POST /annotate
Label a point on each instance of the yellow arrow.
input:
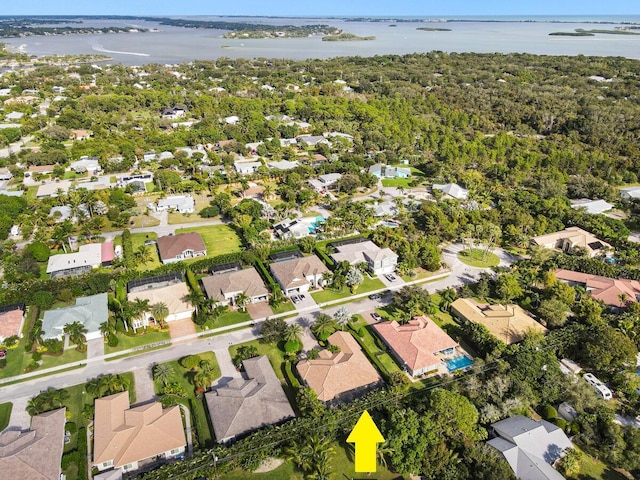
(366, 436)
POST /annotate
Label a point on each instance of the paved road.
(14, 148)
(165, 229)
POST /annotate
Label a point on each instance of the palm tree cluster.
(312, 456)
(50, 399)
(106, 385)
(76, 332)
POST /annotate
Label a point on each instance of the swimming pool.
(459, 362)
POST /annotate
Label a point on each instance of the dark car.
(375, 296)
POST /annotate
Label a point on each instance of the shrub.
(39, 251)
(53, 345)
(292, 346)
(31, 367)
(12, 341)
(333, 348)
(36, 356)
(560, 423)
(549, 413)
(65, 295)
(208, 212)
(71, 427)
(362, 331)
(113, 340)
(190, 362)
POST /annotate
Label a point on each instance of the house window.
(127, 467)
(107, 464)
(174, 451)
(137, 323)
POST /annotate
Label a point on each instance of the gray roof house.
(628, 193)
(299, 274)
(246, 404)
(90, 311)
(225, 287)
(453, 190)
(328, 181)
(178, 203)
(379, 260)
(593, 207)
(530, 447)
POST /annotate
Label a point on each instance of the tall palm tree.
(292, 333)
(241, 301)
(324, 326)
(139, 307)
(195, 298)
(142, 255)
(76, 332)
(267, 191)
(160, 312)
(105, 329)
(93, 387)
(162, 373)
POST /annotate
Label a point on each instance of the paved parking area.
(181, 328)
(259, 310)
(145, 391)
(395, 283)
(306, 302)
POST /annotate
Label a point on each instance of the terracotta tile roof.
(126, 435)
(11, 323)
(293, 273)
(608, 290)
(508, 323)
(416, 341)
(334, 374)
(247, 281)
(35, 454)
(246, 404)
(171, 246)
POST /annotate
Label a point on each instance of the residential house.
(592, 207)
(571, 237)
(301, 125)
(39, 169)
(379, 260)
(298, 275)
(340, 376)
(86, 164)
(212, 169)
(14, 116)
(630, 193)
(135, 178)
(385, 209)
(247, 168)
(5, 174)
(420, 346)
(92, 255)
(225, 287)
(530, 447)
(173, 296)
(282, 165)
(80, 134)
(149, 156)
(288, 142)
(11, 320)
(311, 140)
(385, 171)
(508, 323)
(173, 113)
(614, 292)
(126, 437)
(452, 190)
(178, 203)
(12, 193)
(173, 248)
(60, 213)
(326, 182)
(34, 454)
(53, 189)
(346, 136)
(232, 120)
(249, 403)
(90, 311)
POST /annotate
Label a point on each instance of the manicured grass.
(5, 414)
(127, 341)
(286, 471)
(218, 239)
(593, 469)
(419, 274)
(398, 182)
(478, 258)
(286, 306)
(137, 240)
(69, 355)
(375, 346)
(328, 295)
(276, 356)
(140, 221)
(199, 416)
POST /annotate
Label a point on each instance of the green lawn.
(419, 274)
(285, 306)
(593, 469)
(398, 182)
(328, 295)
(5, 414)
(478, 258)
(276, 356)
(229, 318)
(376, 347)
(68, 356)
(284, 472)
(219, 239)
(129, 341)
(141, 221)
(196, 405)
(138, 239)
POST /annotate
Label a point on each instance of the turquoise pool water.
(459, 362)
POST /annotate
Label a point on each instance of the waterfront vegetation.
(346, 37)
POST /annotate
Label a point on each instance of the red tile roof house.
(174, 248)
(11, 320)
(608, 290)
(420, 346)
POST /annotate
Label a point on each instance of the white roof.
(50, 189)
(283, 165)
(87, 255)
(632, 192)
(88, 163)
(592, 206)
(453, 190)
(180, 202)
(330, 178)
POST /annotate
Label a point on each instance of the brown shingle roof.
(605, 289)
(507, 323)
(126, 435)
(244, 405)
(334, 374)
(416, 342)
(35, 454)
(293, 273)
(173, 245)
(247, 281)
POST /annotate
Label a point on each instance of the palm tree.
(160, 312)
(139, 307)
(324, 326)
(35, 406)
(202, 379)
(76, 332)
(241, 301)
(162, 373)
(267, 191)
(195, 298)
(93, 387)
(142, 255)
(292, 333)
(105, 329)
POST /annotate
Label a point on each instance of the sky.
(322, 8)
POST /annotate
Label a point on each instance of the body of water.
(507, 35)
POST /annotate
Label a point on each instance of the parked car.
(375, 296)
(391, 277)
(302, 297)
(295, 299)
(376, 317)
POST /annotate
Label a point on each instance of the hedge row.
(328, 261)
(386, 375)
(287, 368)
(266, 276)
